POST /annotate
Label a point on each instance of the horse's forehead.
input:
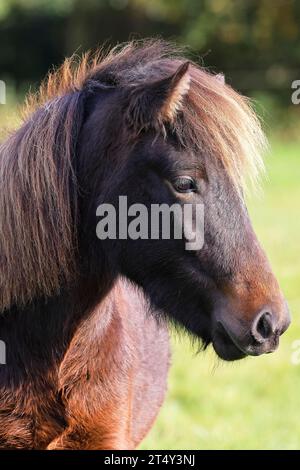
(175, 153)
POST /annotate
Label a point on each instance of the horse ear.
(176, 88)
(159, 101)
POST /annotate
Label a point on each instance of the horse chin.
(225, 348)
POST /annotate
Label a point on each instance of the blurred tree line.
(256, 43)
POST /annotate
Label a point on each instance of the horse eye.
(184, 184)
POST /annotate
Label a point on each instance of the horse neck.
(41, 333)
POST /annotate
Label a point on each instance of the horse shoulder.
(113, 376)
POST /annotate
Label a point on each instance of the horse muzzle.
(234, 339)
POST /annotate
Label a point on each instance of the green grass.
(254, 403)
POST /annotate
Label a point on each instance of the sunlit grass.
(9, 119)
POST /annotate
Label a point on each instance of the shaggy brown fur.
(37, 203)
(86, 361)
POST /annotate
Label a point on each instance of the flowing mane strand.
(216, 119)
(38, 181)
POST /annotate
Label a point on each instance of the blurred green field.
(254, 403)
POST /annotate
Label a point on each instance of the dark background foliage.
(255, 42)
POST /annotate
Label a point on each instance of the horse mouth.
(224, 345)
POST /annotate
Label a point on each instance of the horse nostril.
(262, 328)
